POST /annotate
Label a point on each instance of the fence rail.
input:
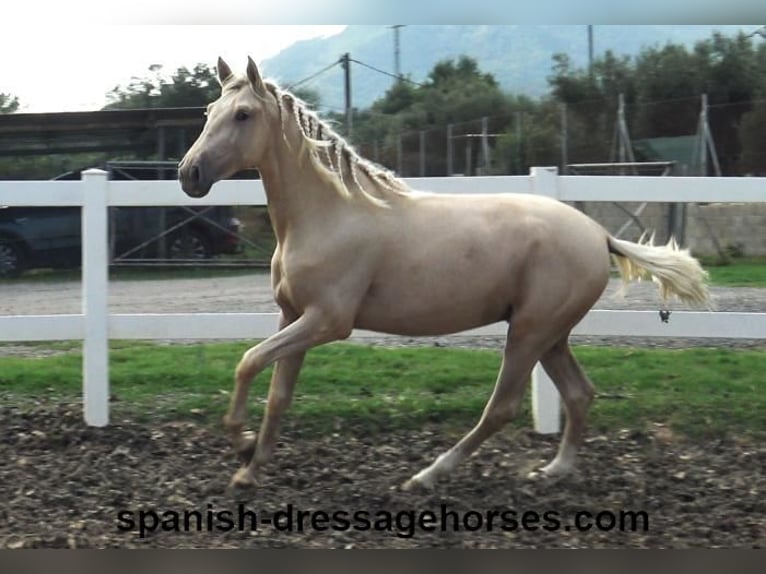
(95, 326)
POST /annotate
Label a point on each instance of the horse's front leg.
(288, 347)
(283, 381)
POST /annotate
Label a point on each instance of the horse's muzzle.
(193, 180)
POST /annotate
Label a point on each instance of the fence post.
(95, 307)
(546, 403)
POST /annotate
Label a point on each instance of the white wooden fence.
(95, 325)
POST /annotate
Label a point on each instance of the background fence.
(686, 130)
(95, 325)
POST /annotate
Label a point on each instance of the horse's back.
(454, 262)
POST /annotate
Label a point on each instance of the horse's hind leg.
(577, 393)
(521, 354)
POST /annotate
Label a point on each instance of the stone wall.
(734, 227)
(739, 228)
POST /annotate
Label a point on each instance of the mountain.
(519, 57)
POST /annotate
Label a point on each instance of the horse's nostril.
(194, 174)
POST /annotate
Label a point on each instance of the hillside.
(519, 56)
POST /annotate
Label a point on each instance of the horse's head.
(235, 134)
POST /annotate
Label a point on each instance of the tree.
(455, 92)
(752, 138)
(752, 129)
(533, 138)
(662, 87)
(591, 98)
(8, 103)
(193, 88)
(309, 96)
(185, 88)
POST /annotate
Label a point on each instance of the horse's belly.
(429, 313)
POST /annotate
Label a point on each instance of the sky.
(76, 66)
(60, 55)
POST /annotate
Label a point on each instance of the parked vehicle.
(50, 237)
(38, 237)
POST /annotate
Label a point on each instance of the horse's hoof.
(546, 475)
(537, 475)
(243, 479)
(417, 485)
(245, 446)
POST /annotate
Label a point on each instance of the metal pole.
(620, 119)
(181, 142)
(519, 143)
(485, 152)
(703, 137)
(468, 154)
(346, 63)
(450, 169)
(625, 146)
(590, 49)
(564, 140)
(708, 140)
(162, 244)
(397, 52)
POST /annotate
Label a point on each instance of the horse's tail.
(674, 269)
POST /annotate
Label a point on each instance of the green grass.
(748, 272)
(695, 391)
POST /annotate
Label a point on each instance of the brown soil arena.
(63, 484)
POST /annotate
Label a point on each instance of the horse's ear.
(255, 77)
(224, 72)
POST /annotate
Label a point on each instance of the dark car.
(50, 237)
(38, 237)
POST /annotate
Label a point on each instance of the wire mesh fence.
(701, 138)
(223, 236)
(673, 137)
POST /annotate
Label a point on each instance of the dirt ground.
(64, 485)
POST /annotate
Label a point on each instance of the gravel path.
(252, 293)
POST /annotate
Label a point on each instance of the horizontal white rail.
(661, 189)
(565, 188)
(239, 326)
(145, 193)
(41, 193)
(95, 326)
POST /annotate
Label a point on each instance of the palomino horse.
(357, 249)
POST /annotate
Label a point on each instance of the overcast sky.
(71, 68)
(66, 55)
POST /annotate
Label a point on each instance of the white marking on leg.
(563, 463)
(444, 464)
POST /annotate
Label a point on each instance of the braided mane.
(331, 153)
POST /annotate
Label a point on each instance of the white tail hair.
(674, 269)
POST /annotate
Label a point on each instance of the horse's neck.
(297, 195)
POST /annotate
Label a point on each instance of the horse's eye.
(241, 115)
